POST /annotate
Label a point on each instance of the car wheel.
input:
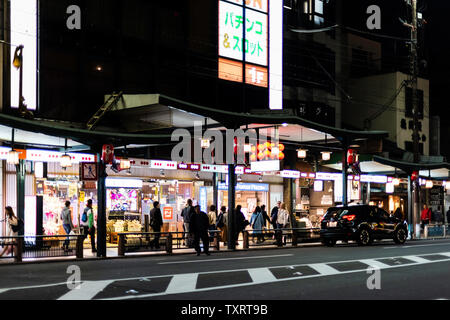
(364, 237)
(329, 243)
(400, 236)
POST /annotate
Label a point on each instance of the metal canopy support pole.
(216, 192)
(231, 205)
(101, 209)
(368, 192)
(20, 175)
(410, 210)
(344, 177)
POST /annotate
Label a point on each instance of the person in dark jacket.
(187, 213)
(199, 226)
(156, 223)
(265, 215)
(239, 222)
(274, 214)
(398, 214)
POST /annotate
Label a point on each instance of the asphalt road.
(417, 270)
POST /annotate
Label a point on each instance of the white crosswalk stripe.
(182, 283)
(374, 263)
(324, 269)
(87, 290)
(416, 259)
(261, 275)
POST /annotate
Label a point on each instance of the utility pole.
(413, 79)
(413, 83)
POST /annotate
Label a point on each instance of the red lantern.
(351, 156)
(281, 156)
(261, 147)
(107, 153)
(414, 176)
(281, 147)
(253, 157)
(260, 156)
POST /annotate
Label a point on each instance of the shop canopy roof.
(379, 165)
(299, 130)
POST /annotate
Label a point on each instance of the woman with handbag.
(12, 230)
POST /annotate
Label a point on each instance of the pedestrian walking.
(265, 215)
(199, 225)
(425, 216)
(156, 223)
(13, 227)
(274, 214)
(398, 213)
(87, 221)
(283, 220)
(257, 223)
(240, 223)
(66, 218)
(187, 213)
(212, 217)
(222, 224)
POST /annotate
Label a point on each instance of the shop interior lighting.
(326, 155)
(396, 182)
(162, 173)
(239, 178)
(429, 184)
(247, 148)
(260, 179)
(125, 163)
(302, 153)
(13, 155)
(205, 143)
(65, 160)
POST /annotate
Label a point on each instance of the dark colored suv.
(361, 223)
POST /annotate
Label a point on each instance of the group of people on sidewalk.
(198, 224)
(427, 216)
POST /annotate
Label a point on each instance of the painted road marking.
(226, 259)
(187, 283)
(87, 290)
(417, 246)
(182, 283)
(375, 264)
(323, 269)
(261, 275)
(417, 259)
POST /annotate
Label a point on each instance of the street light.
(65, 160)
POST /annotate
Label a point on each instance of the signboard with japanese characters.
(243, 38)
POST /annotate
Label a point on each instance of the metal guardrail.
(436, 231)
(168, 241)
(280, 237)
(36, 247)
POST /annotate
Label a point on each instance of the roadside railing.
(131, 242)
(35, 247)
(279, 237)
(436, 231)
